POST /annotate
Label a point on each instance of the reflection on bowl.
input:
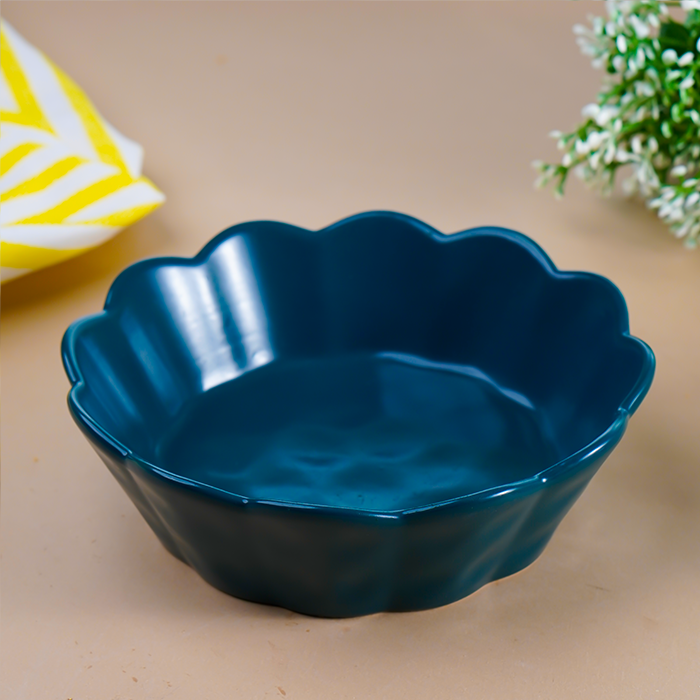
(375, 416)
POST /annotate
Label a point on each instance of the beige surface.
(308, 113)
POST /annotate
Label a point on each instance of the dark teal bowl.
(375, 416)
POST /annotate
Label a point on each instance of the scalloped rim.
(604, 442)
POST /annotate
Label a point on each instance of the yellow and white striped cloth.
(68, 180)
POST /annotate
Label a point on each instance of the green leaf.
(673, 35)
(692, 19)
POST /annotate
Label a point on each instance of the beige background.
(308, 113)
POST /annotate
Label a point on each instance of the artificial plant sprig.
(647, 113)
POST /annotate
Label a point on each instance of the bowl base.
(380, 432)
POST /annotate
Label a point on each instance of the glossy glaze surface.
(375, 416)
(377, 432)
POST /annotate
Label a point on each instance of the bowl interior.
(378, 432)
(371, 366)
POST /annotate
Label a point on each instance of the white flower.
(697, 44)
(581, 147)
(567, 160)
(679, 170)
(689, 5)
(605, 115)
(610, 29)
(691, 182)
(636, 144)
(555, 134)
(683, 230)
(692, 199)
(647, 177)
(671, 211)
(653, 145)
(619, 63)
(687, 83)
(625, 6)
(590, 110)
(686, 59)
(621, 43)
(640, 57)
(669, 57)
(676, 214)
(640, 28)
(644, 89)
(595, 139)
(587, 48)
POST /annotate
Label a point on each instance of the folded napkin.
(68, 180)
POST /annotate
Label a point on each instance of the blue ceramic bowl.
(375, 416)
